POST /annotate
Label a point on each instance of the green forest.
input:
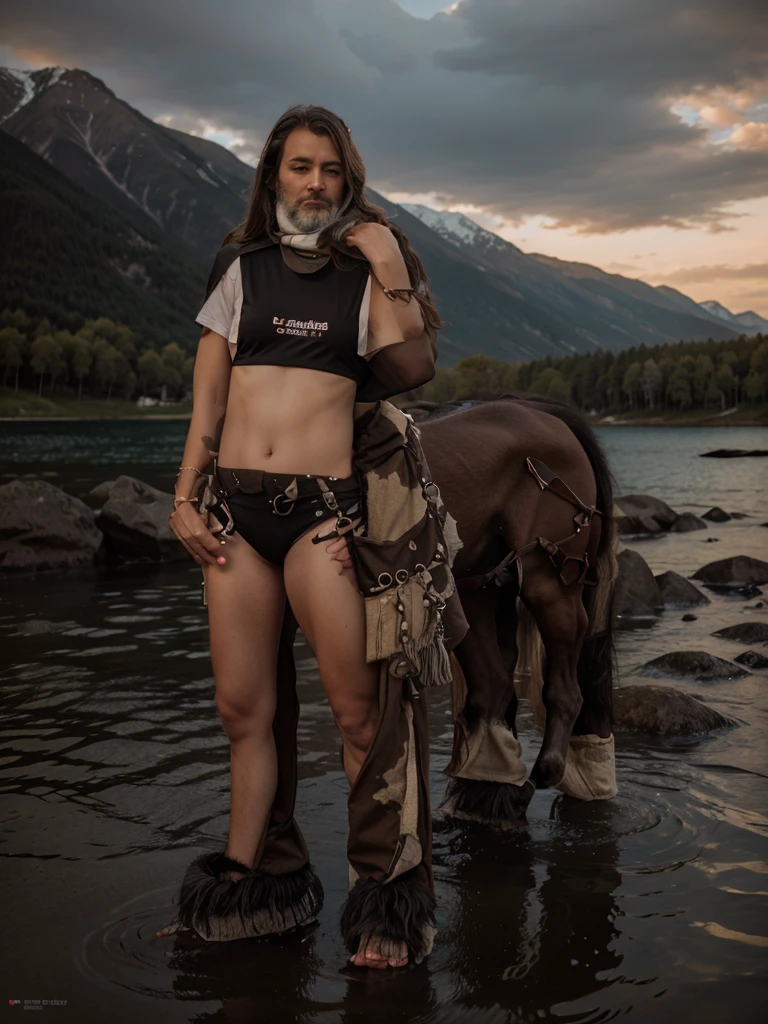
(101, 360)
(688, 376)
(106, 361)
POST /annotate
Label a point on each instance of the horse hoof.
(548, 770)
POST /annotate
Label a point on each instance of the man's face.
(310, 180)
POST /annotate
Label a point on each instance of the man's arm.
(401, 351)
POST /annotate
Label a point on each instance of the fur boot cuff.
(399, 911)
(220, 909)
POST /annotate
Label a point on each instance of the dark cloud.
(546, 107)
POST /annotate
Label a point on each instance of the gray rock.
(678, 592)
(692, 665)
(637, 592)
(664, 711)
(100, 493)
(686, 522)
(734, 453)
(752, 659)
(642, 513)
(688, 618)
(43, 527)
(745, 633)
(736, 570)
(739, 515)
(135, 523)
(716, 515)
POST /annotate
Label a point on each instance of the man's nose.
(316, 183)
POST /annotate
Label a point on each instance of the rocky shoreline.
(44, 529)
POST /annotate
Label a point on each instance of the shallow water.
(114, 774)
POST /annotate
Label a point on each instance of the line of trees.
(99, 360)
(687, 376)
(102, 359)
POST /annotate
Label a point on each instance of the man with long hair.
(317, 309)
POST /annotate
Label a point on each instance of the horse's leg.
(488, 778)
(562, 622)
(591, 769)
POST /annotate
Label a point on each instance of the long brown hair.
(260, 218)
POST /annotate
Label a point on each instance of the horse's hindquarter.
(477, 458)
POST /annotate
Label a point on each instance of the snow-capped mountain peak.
(18, 88)
(457, 228)
(748, 318)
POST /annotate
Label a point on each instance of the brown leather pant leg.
(389, 848)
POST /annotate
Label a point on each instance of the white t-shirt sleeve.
(221, 310)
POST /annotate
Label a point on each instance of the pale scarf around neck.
(308, 242)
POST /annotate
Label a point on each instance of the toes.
(169, 929)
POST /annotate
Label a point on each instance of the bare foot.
(378, 953)
(171, 929)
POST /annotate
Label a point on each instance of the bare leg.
(331, 613)
(246, 599)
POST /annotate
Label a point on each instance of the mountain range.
(138, 209)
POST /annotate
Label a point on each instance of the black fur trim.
(400, 911)
(486, 801)
(259, 904)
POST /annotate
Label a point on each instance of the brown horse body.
(477, 456)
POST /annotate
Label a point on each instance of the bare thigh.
(330, 611)
(246, 601)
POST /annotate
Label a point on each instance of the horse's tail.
(597, 660)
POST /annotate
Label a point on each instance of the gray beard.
(305, 221)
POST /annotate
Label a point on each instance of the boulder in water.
(43, 527)
(745, 633)
(734, 571)
(642, 513)
(692, 665)
(135, 523)
(716, 515)
(686, 522)
(664, 711)
(98, 495)
(678, 592)
(734, 453)
(752, 659)
(637, 592)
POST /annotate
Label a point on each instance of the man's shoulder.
(227, 255)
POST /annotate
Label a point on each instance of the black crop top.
(292, 319)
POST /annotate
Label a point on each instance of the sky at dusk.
(632, 134)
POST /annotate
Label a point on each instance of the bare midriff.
(289, 419)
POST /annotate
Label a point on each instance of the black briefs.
(270, 519)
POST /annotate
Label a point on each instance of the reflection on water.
(114, 772)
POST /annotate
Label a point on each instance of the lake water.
(114, 774)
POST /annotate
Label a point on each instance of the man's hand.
(377, 243)
(189, 526)
(337, 548)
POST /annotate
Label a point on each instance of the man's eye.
(332, 171)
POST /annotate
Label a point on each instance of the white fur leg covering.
(590, 769)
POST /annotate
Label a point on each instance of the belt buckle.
(277, 511)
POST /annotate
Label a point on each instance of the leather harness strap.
(502, 574)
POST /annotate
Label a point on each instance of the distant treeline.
(688, 376)
(102, 359)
